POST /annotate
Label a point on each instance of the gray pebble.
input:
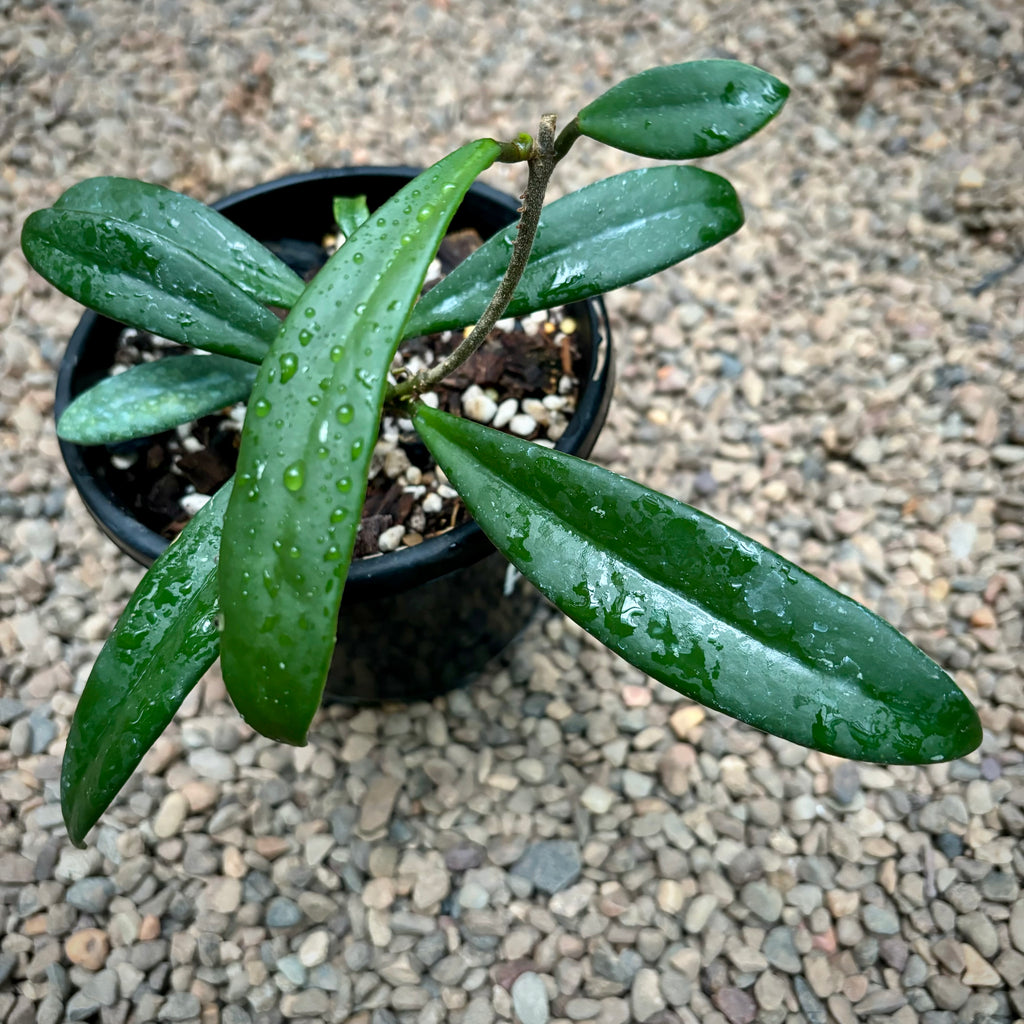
(50, 1010)
(763, 900)
(812, 1007)
(551, 865)
(948, 993)
(530, 999)
(91, 895)
(780, 951)
(81, 1007)
(293, 969)
(880, 920)
(179, 1006)
(282, 913)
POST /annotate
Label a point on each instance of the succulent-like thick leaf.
(684, 111)
(199, 229)
(616, 231)
(349, 213)
(132, 274)
(151, 397)
(309, 435)
(702, 608)
(162, 644)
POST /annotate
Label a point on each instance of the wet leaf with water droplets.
(702, 608)
(616, 231)
(684, 111)
(203, 231)
(160, 261)
(152, 397)
(164, 641)
(306, 508)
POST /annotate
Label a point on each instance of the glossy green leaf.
(151, 397)
(132, 274)
(199, 229)
(349, 213)
(309, 435)
(162, 644)
(611, 233)
(684, 111)
(702, 608)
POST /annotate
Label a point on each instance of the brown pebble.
(88, 948)
(271, 847)
(35, 925)
(738, 1006)
(150, 928)
(983, 618)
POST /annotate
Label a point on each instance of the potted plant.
(257, 575)
(414, 622)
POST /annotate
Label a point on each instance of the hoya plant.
(257, 576)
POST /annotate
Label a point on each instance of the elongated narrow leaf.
(684, 111)
(349, 213)
(309, 434)
(609, 234)
(152, 397)
(702, 608)
(134, 275)
(162, 644)
(194, 227)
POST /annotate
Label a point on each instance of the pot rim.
(375, 575)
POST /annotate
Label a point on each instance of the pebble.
(530, 999)
(1016, 927)
(91, 895)
(880, 920)
(212, 764)
(378, 804)
(310, 1003)
(171, 815)
(763, 900)
(88, 948)
(979, 973)
(522, 424)
(597, 799)
(699, 912)
(314, 949)
(780, 950)
(391, 538)
(282, 913)
(645, 998)
(948, 993)
(738, 1006)
(179, 1006)
(550, 866)
(476, 405)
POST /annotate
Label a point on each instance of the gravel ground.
(563, 841)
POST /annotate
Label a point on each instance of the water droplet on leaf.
(289, 366)
(295, 476)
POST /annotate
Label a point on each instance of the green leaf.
(609, 234)
(199, 229)
(684, 111)
(309, 435)
(702, 608)
(162, 644)
(152, 397)
(349, 213)
(134, 275)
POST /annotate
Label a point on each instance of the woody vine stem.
(542, 157)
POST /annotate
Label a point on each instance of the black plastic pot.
(415, 622)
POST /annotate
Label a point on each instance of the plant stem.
(541, 164)
(566, 137)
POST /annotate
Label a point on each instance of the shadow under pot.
(415, 622)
